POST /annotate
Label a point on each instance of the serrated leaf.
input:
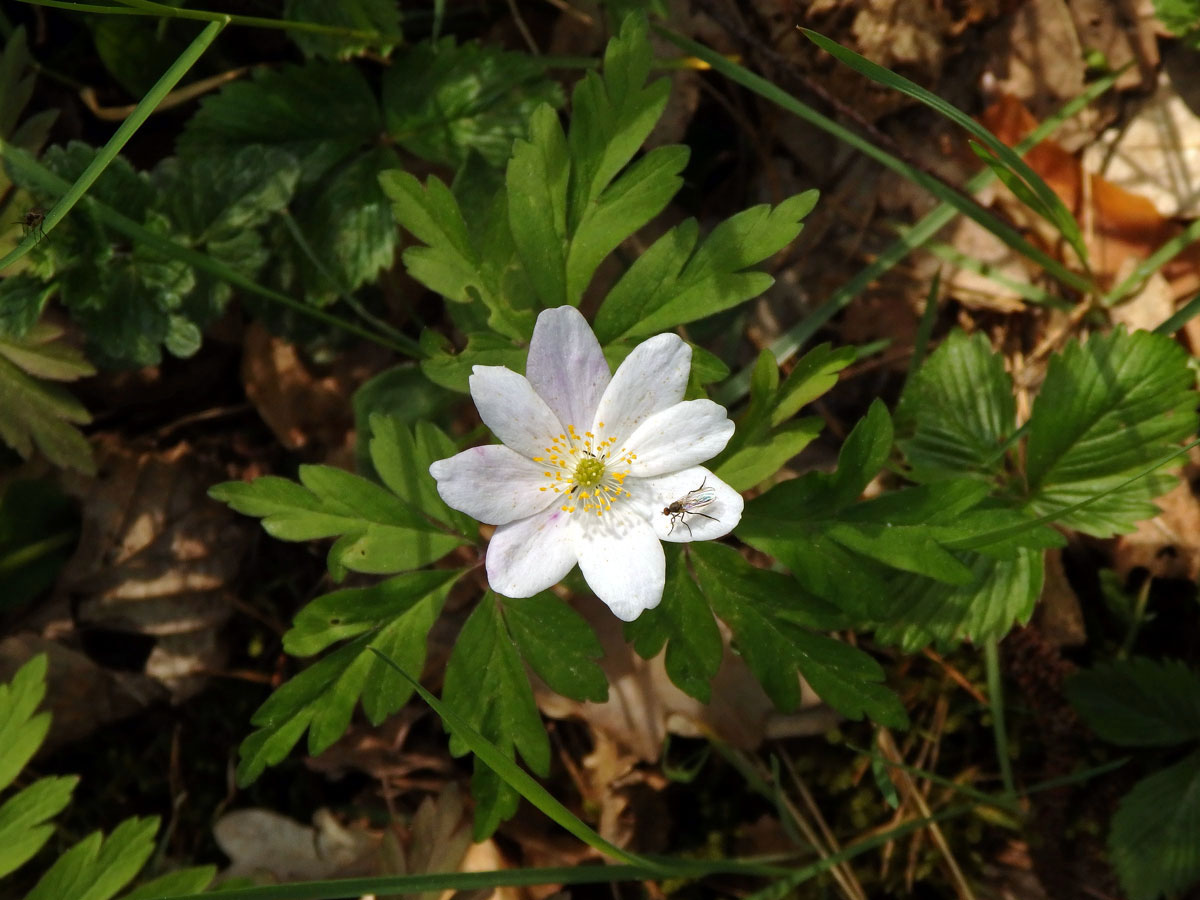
(486, 684)
(755, 605)
(1139, 702)
(670, 284)
(999, 593)
(401, 458)
(683, 619)
(95, 868)
(22, 299)
(442, 101)
(219, 195)
(377, 531)
(1106, 411)
(381, 16)
(394, 616)
(863, 454)
(812, 375)
(960, 411)
(1155, 838)
(321, 112)
(347, 224)
(558, 644)
(23, 816)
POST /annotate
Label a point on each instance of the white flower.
(591, 463)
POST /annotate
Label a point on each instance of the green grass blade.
(1153, 263)
(1030, 293)
(46, 180)
(1047, 203)
(518, 779)
(788, 343)
(1182, 316)
(109, 151)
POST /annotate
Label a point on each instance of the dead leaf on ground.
(1168, 545)
(156, 557)
(80, 695)
(1035, 55)
(643, 705)
(270, 848)
(1058, 617)
(305, 405)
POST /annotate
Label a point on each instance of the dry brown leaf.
(974, 289)
(1168, 545)
(271, 848)
(306, 406)
(156, 557)
(910, 33)
(1036, 56)
(80, 695)
(1058, 616)
(643, 705)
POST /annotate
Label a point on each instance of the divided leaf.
(771, 622)
(1139, 702)
(39, 414)
(22, 730)
(96, 868)
(1108, 410)
(23, 828)
(442, 101)
(558, 644)
(1155, 836)
(486, 684)
(393, 616)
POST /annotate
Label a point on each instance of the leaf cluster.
(96, 867)
(1154, 841)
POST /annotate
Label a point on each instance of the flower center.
(586, 470)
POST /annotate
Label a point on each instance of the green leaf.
(348, 229)
(863, 454)
(960, 411)
(1139, 702)
(401, 457)
(95, 868)
(753, 464)
(443, 101)
(22, 299)
(377, 531)
(537, 205)
(1181, 17)
(21, 731)
(175, 884)
(486, 685)
(22, 819)
(1107, 410)
(684, 619)
(382, 16)
(812, 375)
(395, 616)
(321, 112)
(999, 593)
(453, 370)
(38, 414)
(1155, 837)
(761, 609)
(674, 282)
(558, 645)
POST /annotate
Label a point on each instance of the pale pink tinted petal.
(653, 377)
(513, 411)
(530, 555)
(725, 509)
(622, 560)
(681, 436)
(492, 484)
(566, 366)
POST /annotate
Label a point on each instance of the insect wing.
(698, 499)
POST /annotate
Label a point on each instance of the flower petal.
(725, 509)
(622, 560)
(513, 411)
(492, 484)
(680, 436)
(530, 555)
(653, 377)
(566, 366)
